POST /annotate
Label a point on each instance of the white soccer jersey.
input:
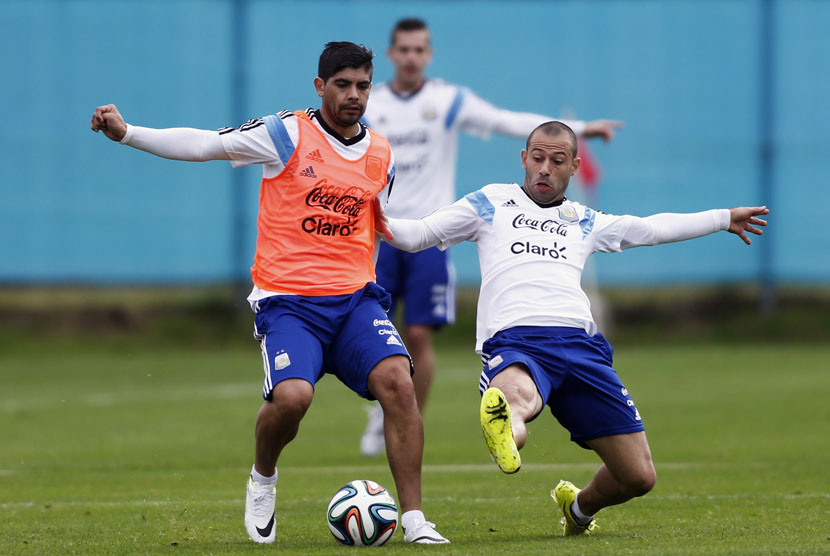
(532, 257)
(423, 130)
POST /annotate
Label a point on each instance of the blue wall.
(685, 76)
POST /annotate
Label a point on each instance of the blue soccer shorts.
(423, 281)
(345, 335)
(572, 372)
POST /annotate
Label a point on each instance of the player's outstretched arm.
(443, 228)
(744, 219)
(605, 129)
(179, 143)
(670, 227)
(109, 120)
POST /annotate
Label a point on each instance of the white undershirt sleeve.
(411, 235)
(670, 227)
(177, 143)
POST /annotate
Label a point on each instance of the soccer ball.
(362, 513)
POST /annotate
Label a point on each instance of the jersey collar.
(347, 142)
(549, 205)
(406, 96)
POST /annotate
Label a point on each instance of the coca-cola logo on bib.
(346, 205)
(349, 202)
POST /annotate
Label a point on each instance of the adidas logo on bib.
(308, 173)
(315, 156)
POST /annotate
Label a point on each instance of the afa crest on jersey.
(374, 167)
(568, 214)
(429, 113)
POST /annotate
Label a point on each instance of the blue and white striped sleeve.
(269, 140)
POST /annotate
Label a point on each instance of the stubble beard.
(348, 118)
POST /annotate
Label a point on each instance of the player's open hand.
(602, 128)
(744, 219)
(381, 222)
(109, 120)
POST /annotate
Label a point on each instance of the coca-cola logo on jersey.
(547, 226)
(349, 202)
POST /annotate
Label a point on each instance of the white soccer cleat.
(423, 532)
(260, 517)
(372, 443)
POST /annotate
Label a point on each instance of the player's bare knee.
(641, 482)
(396, 389)
(290, 400)
(391, 383)
(418, 337)
(518, 393)
(513, 395)
(643, 486)
(293, 410)
(650, 479)
(522, 400)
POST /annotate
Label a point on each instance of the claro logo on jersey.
(345, 204)
(555, 252)
(547, 226)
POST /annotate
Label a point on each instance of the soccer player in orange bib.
(318, 309)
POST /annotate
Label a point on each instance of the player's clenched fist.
(109, 120)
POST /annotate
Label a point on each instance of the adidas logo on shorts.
(510, 203)
(315, 156)
(308, 173)
(392, 341)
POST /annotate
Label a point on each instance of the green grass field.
(132, 450)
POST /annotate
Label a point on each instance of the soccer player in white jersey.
(534, 331)
(422, 119)
(318, 309)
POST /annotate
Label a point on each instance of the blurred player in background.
(317, 307)
(534, 329)
(422, 118)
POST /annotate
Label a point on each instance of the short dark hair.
(554, 128)
(407, 24)
(340, 55)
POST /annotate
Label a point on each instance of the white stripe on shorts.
(450, 300)
(266, 362)
(483, 382)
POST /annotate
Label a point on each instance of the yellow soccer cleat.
(564, 495)
(498, 431)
